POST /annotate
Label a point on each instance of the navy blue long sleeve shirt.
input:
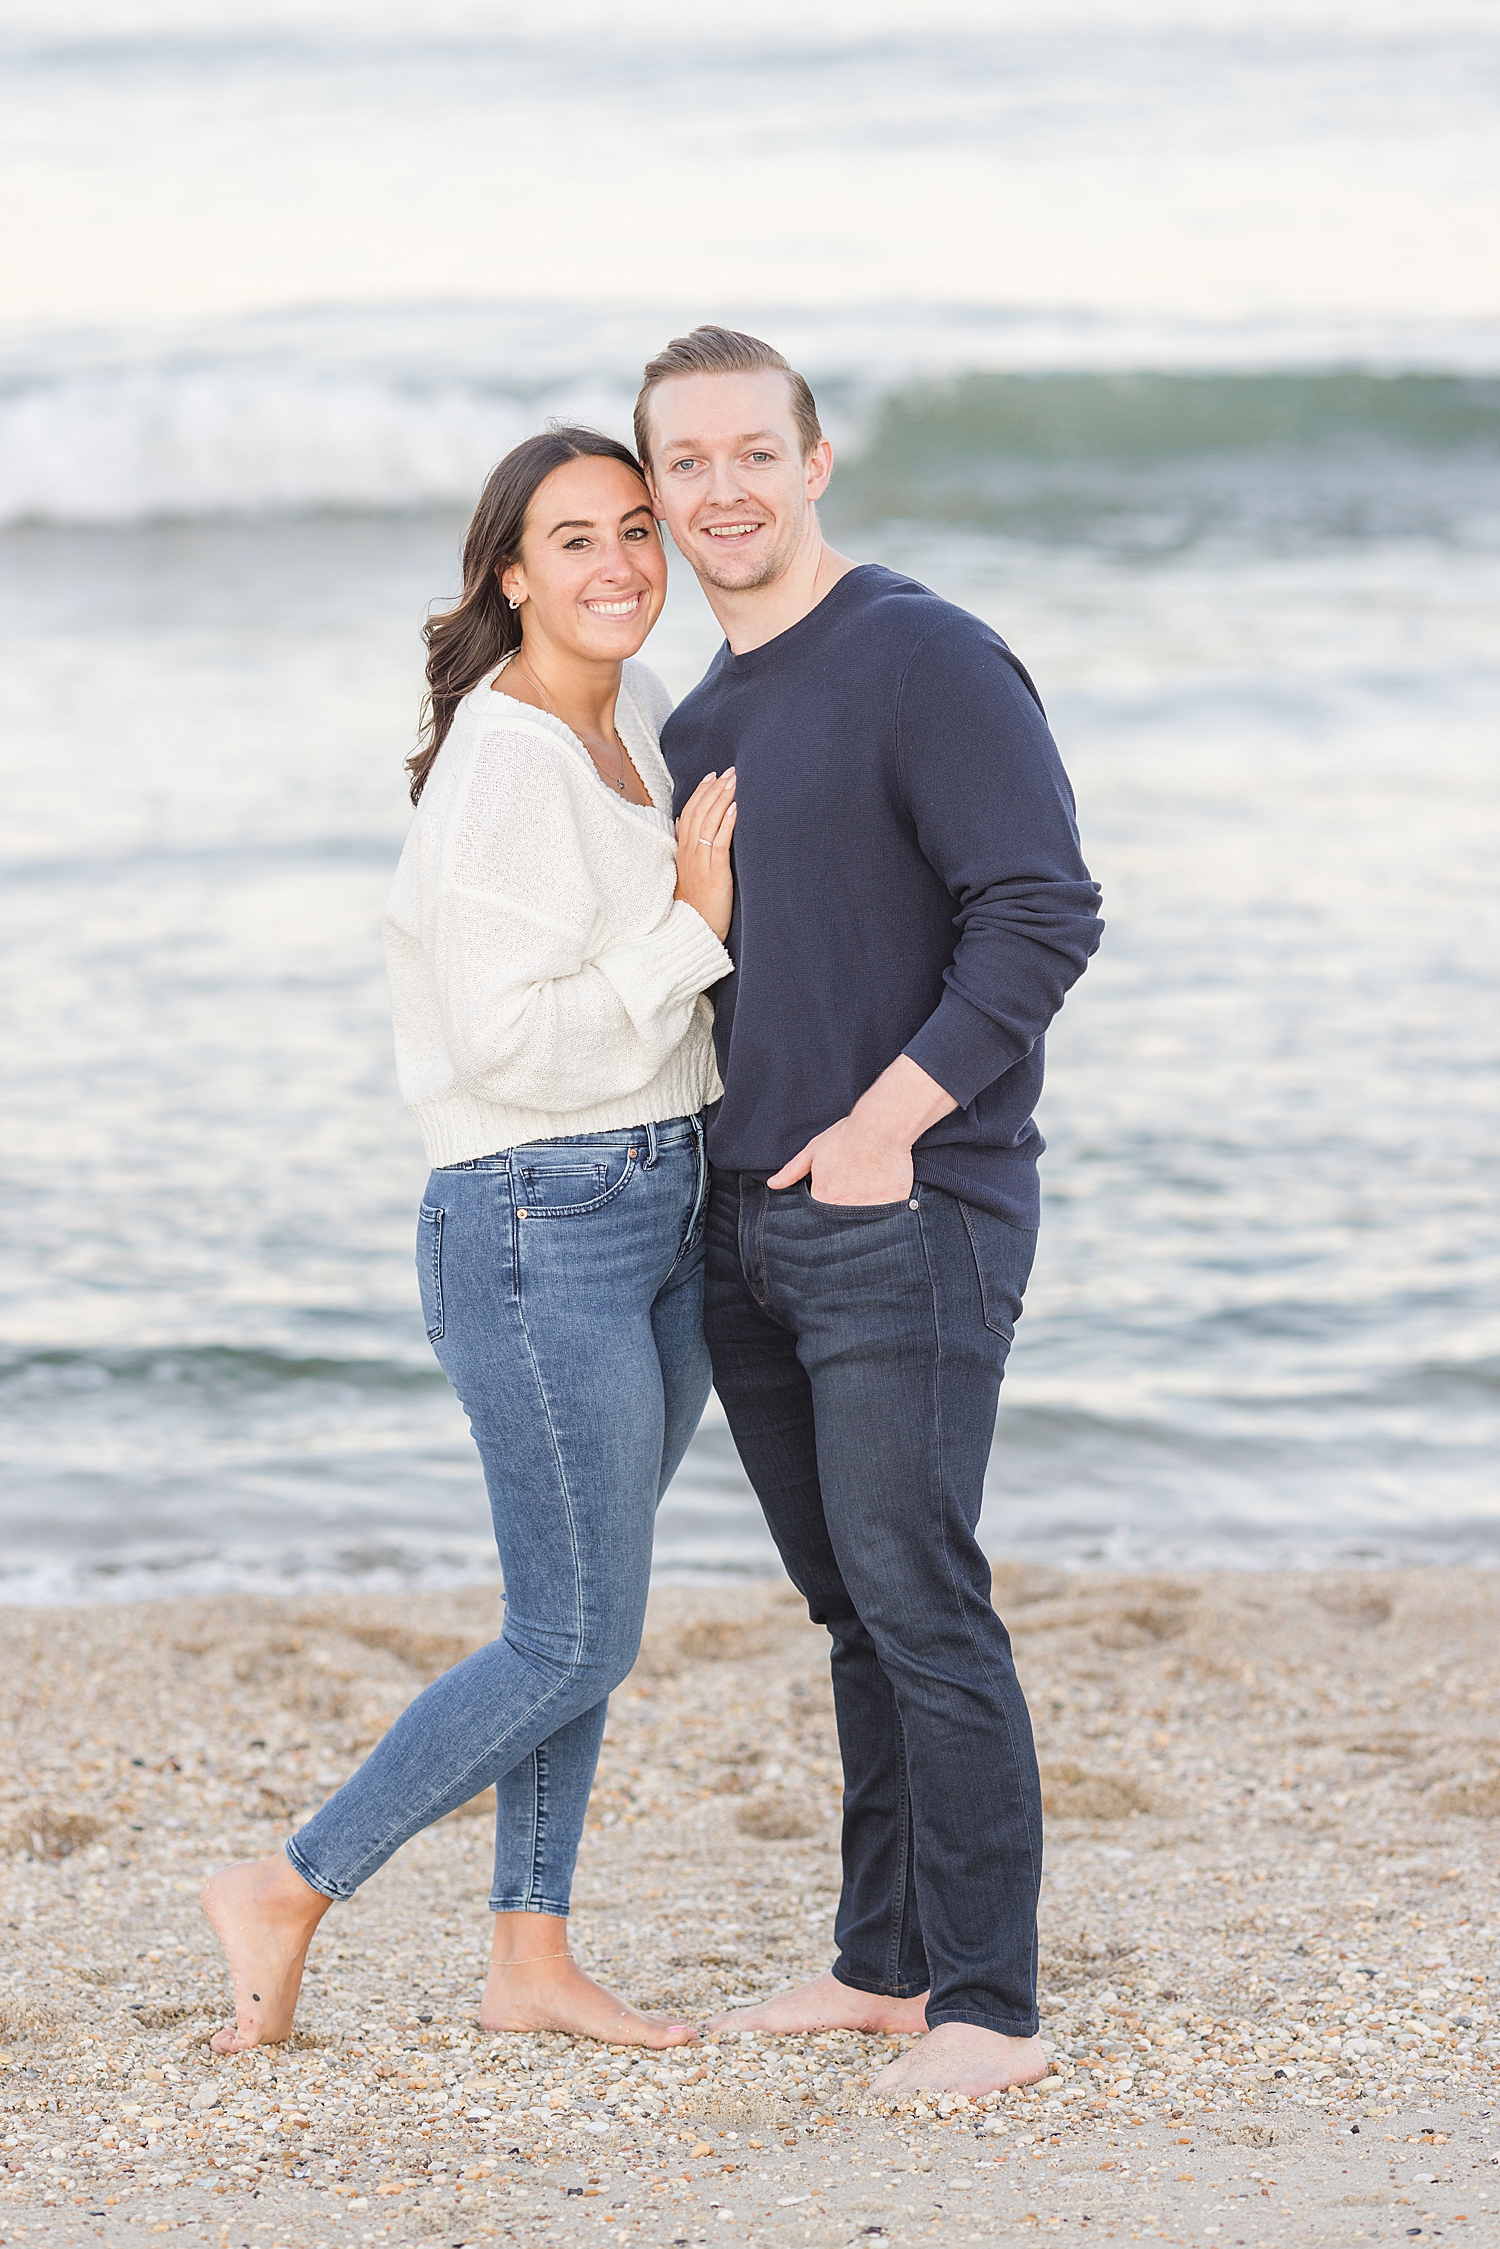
(908, 880)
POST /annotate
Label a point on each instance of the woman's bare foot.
(827, 2004)
(962, 2058)
(264, 1915)
(535, 1984)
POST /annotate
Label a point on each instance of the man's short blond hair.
(724, 351)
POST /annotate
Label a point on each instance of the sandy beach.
(1268, 1936)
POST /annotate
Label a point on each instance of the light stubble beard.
(766, 572)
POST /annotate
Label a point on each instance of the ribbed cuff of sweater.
(679, 959)
(961, 1048)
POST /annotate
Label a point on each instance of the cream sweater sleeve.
(546, 986)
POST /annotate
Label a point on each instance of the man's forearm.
(899, 1107)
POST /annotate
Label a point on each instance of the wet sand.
(1268, 1937)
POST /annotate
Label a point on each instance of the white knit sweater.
(544, 980)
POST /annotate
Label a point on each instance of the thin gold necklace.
(619, 783)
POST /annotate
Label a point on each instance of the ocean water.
(1159, 336)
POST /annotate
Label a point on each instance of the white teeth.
(615, 608)
(731, 530)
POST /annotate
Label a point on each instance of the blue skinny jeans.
(563, 1289)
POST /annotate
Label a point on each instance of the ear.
(819, 469)
(512, 580)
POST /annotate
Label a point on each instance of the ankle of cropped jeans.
(531, 1905)
(340, 1892)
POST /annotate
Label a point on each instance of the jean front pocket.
(430, 1268)
(860, 1210)
(546, 1186)
(549, 1187)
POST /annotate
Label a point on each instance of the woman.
(548, 956)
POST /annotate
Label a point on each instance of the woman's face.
(592, 574)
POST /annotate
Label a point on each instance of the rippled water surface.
(1255, 569)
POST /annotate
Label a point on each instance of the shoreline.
(1271, 1806)
(145, 1584)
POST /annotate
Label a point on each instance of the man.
(910, 908)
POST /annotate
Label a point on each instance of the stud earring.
(515, 601)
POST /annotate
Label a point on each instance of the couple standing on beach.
(819, 1184)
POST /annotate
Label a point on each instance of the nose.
(617, 564)
(725, 489)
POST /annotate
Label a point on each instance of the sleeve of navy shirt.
(994, 817)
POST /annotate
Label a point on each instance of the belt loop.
(650, 1145)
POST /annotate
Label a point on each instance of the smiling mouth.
(625, 608)
(729, 531)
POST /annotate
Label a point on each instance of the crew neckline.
(769, 650)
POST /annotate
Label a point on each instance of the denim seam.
(898, 1901)
(576, 1655)
(759, 1223)
(538, 1816)
(700, 1197)
(979, 1657)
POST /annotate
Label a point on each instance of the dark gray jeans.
(858, 1351)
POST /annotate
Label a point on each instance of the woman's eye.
(638, 531)
(573, 546)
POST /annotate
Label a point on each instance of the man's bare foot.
(264, 1915)
(962, 2058)
(534, 1983)
(827, 2004)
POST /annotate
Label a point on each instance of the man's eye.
(762, 456)
(689, 463)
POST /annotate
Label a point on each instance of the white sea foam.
(257, 433)
(117, 448)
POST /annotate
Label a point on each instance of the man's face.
(728, 476)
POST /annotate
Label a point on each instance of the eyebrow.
(586, 523)
(751, 437)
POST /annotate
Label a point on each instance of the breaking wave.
(1037, 452)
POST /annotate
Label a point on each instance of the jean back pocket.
(1002, 1264)
(430, 1268)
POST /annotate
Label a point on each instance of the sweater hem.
(1005, 1184)
(456, 1127)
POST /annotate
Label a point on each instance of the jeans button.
(521, 1214)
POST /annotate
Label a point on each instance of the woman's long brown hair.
(468, 640)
